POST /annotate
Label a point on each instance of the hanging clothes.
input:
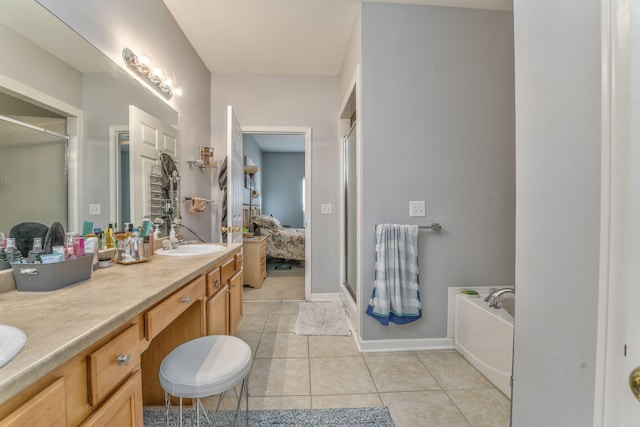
(396, 294)
(222, 183)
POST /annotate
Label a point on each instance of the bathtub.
(484, 336)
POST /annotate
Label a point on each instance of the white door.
(235, 178)
(149, 136)
(619, 340)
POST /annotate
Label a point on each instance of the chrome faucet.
(494, 296)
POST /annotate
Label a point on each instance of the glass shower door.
(350, 212)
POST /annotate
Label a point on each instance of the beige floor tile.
(282, 345)
(452, 371)
(424, 409)
(252, 324)
(400, 372)
(278, 288)
(279, 402)
(340, 375)
(285, 307)
(252, 339)
(364, 400)
(483, 407)
(330, 346)
(256, 307)
(280, 323)
(279, 377)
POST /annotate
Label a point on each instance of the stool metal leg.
(167, 406)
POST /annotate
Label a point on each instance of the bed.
(282, 242)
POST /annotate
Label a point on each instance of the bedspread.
(282, 242)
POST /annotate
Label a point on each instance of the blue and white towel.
(396, 294)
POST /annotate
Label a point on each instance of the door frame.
(306, 131)
(613, 403)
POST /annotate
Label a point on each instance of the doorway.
(289, 203)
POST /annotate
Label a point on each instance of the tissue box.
(49, 277)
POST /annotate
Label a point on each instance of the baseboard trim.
(325, 297)
(404, 344)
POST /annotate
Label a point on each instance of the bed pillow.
(266, 222)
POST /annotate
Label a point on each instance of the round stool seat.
(205, 366)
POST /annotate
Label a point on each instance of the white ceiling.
(281, 37)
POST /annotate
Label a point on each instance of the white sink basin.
(192, 249)
(12, 340)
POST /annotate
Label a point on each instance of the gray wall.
(438, 125)
(294, 101)
(282, 187)
(558, 63)
(252, 150)
(147, 26)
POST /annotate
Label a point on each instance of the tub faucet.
(494, 297)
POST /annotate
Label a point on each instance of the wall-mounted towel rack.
(435, 227)
(188, 199)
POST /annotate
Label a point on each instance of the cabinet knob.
(186, 300)
(124, 359)
(217, 282)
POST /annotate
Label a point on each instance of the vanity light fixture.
(141, 66)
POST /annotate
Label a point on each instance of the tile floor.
(420, 388)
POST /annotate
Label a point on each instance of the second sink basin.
(12, 340)
(192, 249)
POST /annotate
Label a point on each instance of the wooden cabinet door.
(123, 409)
(218, 312)
(45, 409)
(235, 302)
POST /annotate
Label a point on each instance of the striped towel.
(396, 294)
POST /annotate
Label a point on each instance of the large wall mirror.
(64, 117)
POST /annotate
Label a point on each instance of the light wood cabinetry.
(123, 409)
(235, 302)
(107, 383)
(255, 264)
(45, 409)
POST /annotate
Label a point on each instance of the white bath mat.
(321, 318)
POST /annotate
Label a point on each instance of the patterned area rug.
(321, 318)
(343, 417)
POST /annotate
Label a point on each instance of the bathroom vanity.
(94, 348)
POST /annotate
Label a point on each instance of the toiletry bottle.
(69, 245)
(36, 251)
(11, 251)
(78, 246)
(91, 247)
(109, 237)
(2, 242)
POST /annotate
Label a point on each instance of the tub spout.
(494, 297)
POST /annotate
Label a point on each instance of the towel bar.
(435, 227)
(188, 199)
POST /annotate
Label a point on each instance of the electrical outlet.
(94, 209)
(325, 208)
(417, 208)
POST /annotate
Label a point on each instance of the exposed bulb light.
(141, 66)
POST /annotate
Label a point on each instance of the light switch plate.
(94, 209)
(325, 208)
(417, 208)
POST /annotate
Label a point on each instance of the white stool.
(206, 366)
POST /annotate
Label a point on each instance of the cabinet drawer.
(239, 261)
(227, 269)
(173, 306)
(45, 409)
(213, 282)
(111, 364)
